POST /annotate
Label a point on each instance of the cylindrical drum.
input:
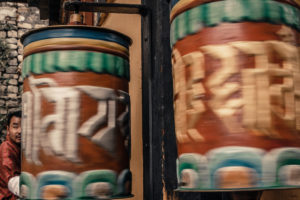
(76, 114)
(236, 80)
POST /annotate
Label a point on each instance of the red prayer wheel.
(236, 79)
(76, 121)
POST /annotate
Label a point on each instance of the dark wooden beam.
(55, 8)
(105, 7)
(43, 6)
(153, 88)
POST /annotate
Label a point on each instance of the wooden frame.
(159, 142)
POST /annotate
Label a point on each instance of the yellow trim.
(27, 52)
(178, 6)
(75, 41)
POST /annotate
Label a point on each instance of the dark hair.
(10, 115)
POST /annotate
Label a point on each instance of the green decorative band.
(212, 14)
(264, 169)
(82, 61)
(174, 3)
(77, 186)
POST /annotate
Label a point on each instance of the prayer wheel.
(236, 81)
(76, 114)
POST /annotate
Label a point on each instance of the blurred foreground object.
(76, 134)
(236, 93)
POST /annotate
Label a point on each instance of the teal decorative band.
(212, 14)
(66, 61)
(76, 186)
(253, 167)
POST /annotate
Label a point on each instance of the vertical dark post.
(253, 195)
(152, 113)
(54, 12)
(169, 139)
(157, 80)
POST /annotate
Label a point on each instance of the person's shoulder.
(5, 146)
(4, 143)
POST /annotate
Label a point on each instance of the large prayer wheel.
(76, 122)
(236, 79)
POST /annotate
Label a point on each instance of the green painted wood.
(212, 14)
(81, 61)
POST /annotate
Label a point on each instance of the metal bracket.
(106, 7)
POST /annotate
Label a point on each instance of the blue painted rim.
(87, 32)
(173, 3)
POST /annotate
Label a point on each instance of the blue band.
(76, 32)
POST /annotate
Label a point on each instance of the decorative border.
(66, 61)
(178, 5)
(76, 32)
(77, 184)
(271, 167)
(75, 43)
(212, 14)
